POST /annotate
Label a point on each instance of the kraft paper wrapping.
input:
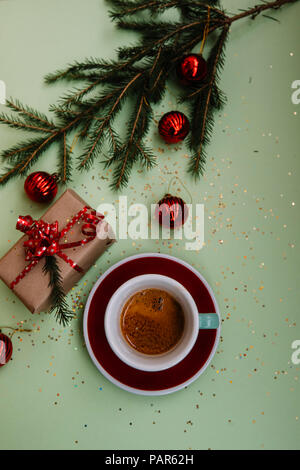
(33, 289)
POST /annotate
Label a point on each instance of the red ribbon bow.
(43, 238)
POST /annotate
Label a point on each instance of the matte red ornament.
(191, 69)
(6, 349)
(41, 186)
(171, 211)
(173, 127)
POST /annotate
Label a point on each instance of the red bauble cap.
(173, 127)
(41, 186)
(191, 69)
(6, 349)
(171, 211)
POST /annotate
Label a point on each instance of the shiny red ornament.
(173, 127)
(41, 186)
(6, 349)
(171, 211)
(191, 69)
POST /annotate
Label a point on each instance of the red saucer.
(124, 376)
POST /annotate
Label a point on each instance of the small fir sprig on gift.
(138, 75)
(59, 305)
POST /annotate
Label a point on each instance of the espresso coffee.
(152, 321)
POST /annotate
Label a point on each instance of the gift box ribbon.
(44, 238)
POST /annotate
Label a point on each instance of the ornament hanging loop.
(174, 177)
(206, 30)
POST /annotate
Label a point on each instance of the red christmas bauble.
(6, 349)
(171, 211)
(173, 127)
(191, 69)
(41, 186)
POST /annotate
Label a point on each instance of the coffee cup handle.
(208, 321)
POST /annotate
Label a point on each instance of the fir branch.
(64, 167)
(59, 304)
(90, 64)
(132, 149)
(30, 115)
(113, 140)
(147, 158)
(18, 151)
(23, 158)
(125, 8)
(204, 105)
(258, 9)
(138, 74)
(77, 95)
(96, 139)
(122, 168)
(19, 124)
(31, 157)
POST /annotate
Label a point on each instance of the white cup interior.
(113, 326)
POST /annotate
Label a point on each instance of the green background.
(51, 395)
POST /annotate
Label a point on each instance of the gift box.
(80, 226)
